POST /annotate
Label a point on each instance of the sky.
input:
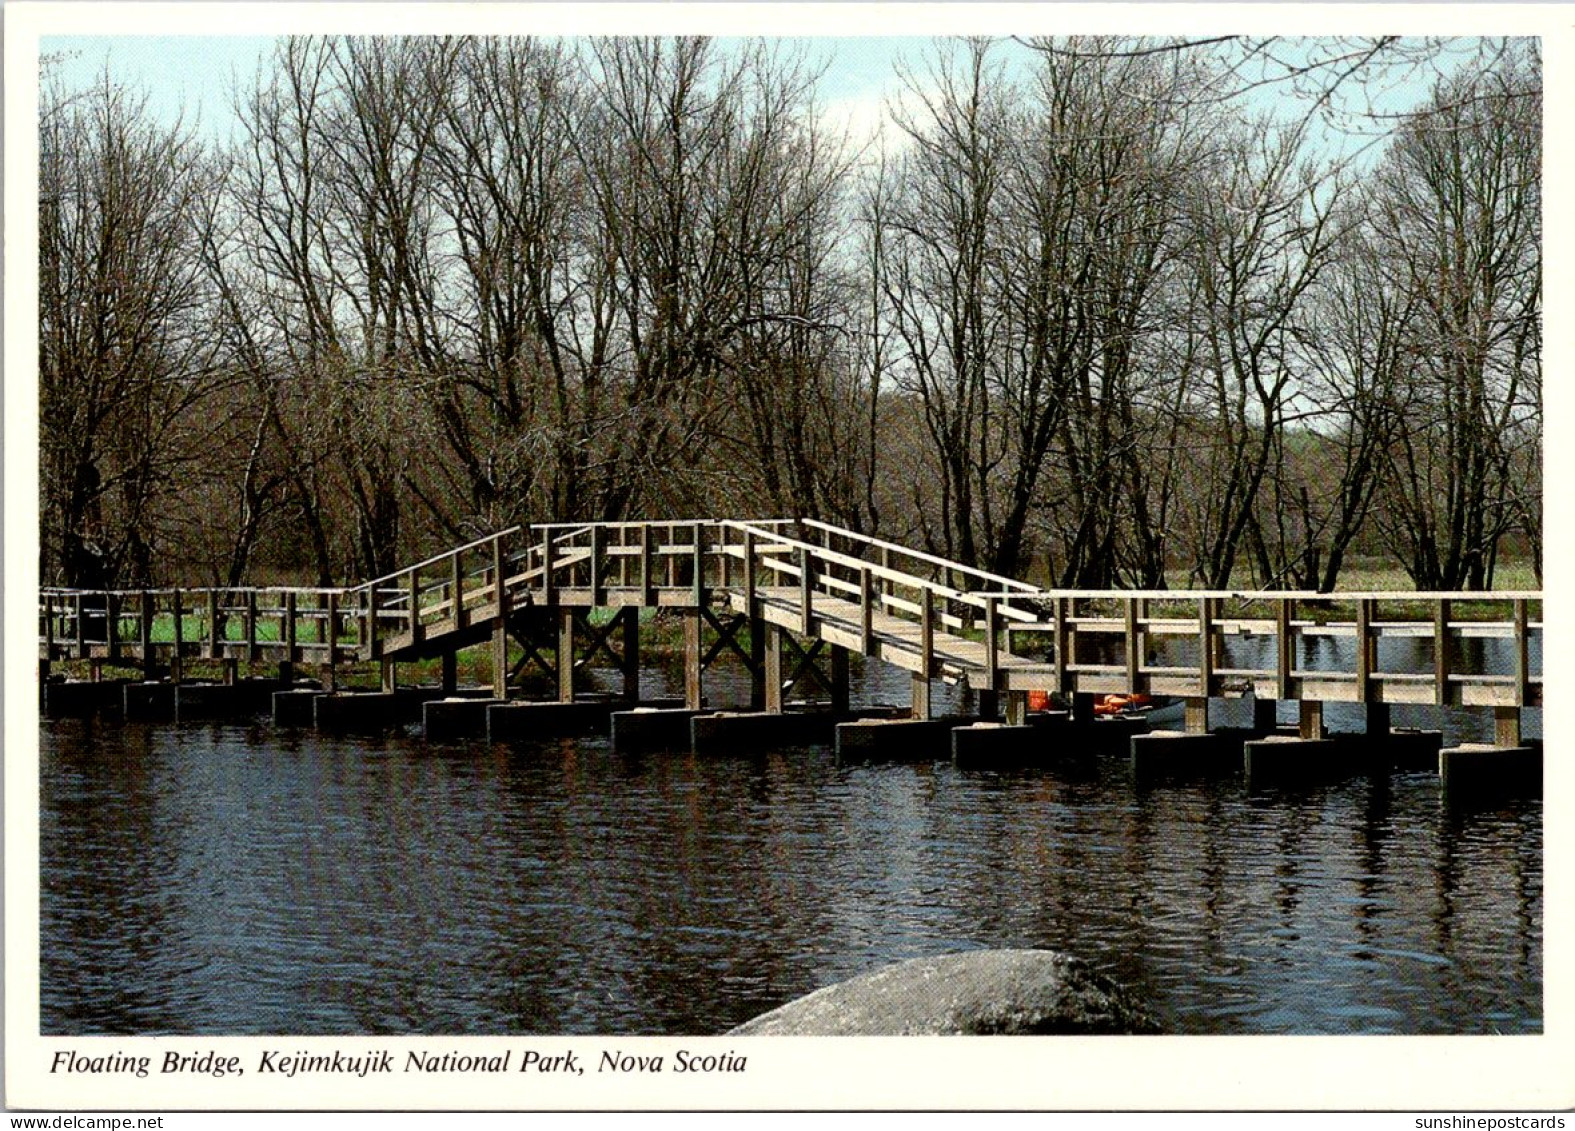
(192, 75)
(189, 78)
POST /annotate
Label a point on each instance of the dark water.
(240, 880)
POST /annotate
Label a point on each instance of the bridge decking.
(929, 616)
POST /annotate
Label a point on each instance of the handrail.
(919, 555)
(446, 554)
(876, 570)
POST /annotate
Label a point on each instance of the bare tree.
(1459, 223)
(126, 357)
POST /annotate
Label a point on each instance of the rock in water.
(986, 992)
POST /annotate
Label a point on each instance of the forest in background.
(1107, 319)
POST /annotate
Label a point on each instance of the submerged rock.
(986, 992)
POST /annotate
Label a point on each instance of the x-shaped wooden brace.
(727, 637)
(805, 665)
(597, 638)
(527, 630)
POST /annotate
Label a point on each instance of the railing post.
(805, 596)
(214, 651)
(1205, 646)
(698, 576)
(1364, 651)
(331, 632)
(749, 576)
(647, 578)
(1284, 654)
(413, 595)
(1522, 653)
(374, 634)
(177, 638)
(1441, 657)
(145, 633)
(992, 661)
(1063, 645)
(49, 626)
(288, 636)
(548, 594)
(111, 625)
(866, 613)
(500, 631)
(1133, 643)
(598, 536)
(81, 634)
(251, 625)
(456, 584)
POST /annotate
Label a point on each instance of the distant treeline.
(1095, 319)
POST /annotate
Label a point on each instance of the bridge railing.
(1363, 647)
(287, 623)
(442, 593)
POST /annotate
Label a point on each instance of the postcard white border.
(1208, 1073)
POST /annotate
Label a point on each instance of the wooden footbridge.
(792, 598)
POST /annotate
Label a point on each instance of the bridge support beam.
(693, 684)
(1264, 716)
(450, 671)
(1506, 726)
(389, 680)
(772, 669)
(565, 655)
(1377, 721)
(500, 659)
(1016, 708)
(630, 665)
(1195, 715)
(1310, 725)
(989, 702)
(758, 632)
(839, 679)
(921, 696)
